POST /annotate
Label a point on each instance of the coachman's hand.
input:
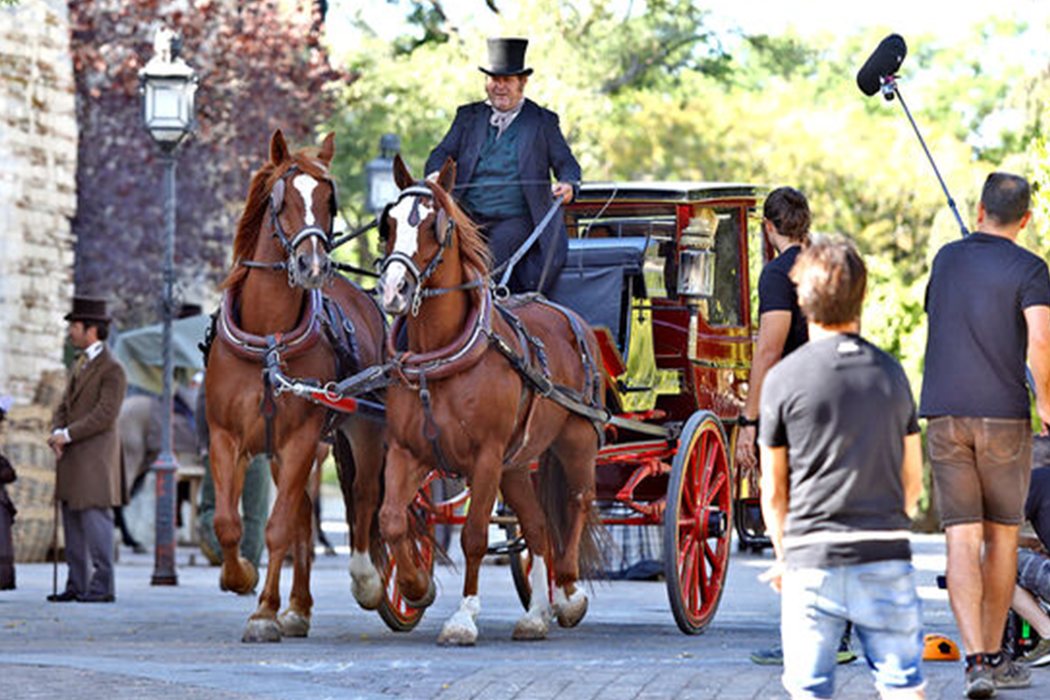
(563, 190)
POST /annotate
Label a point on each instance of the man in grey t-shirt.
(841, 469)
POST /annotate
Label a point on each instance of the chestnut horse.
(263, 307)
(461, 406)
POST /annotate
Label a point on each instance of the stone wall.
(38, 156)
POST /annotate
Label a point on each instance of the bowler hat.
(506, 57)
(88, 309)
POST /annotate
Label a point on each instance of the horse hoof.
(458, 633)
(530, 628)
(571, 611)
(426, 600)
(262, 629)
(368, 594)
(365, 583)
(293, 624)
(228, 581)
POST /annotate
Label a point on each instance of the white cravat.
(501, 120)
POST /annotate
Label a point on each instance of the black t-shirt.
(842, 407)
(977, 337)
(776, 292)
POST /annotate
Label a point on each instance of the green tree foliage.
(656, 94)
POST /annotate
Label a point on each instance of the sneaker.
(979, 683)
(845, 655)
(774, 655)
(1039, 655)
(1010, 674)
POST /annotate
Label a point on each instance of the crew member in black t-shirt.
(988, 305)
(841, 470)
(781, 325)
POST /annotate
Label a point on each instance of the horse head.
(416, 229)
(303, 199)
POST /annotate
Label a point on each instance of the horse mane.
(256, 205)
(473, 249)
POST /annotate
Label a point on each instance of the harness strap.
(431, 431)
(254, 347)
(268, 405)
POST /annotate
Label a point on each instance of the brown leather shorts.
(981, 468)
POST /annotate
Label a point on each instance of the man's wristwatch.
(745, 422)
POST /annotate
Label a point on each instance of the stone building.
(38, 158)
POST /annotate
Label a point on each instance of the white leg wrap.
(460, 630)
(366, 585)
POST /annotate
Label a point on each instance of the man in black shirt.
(781, 325)
(841, 470)
(988, 304)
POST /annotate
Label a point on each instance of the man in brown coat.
(86, 443)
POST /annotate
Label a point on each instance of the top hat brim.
(72, 316)
(497, 73)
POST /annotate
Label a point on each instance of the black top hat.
(88, 309)
(507, 57)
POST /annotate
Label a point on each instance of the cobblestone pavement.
(184, 642)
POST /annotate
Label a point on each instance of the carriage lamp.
(696, 259)
(168, 86)
(379, 174)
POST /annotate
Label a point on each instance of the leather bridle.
(290, 245)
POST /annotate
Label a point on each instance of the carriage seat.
(597, 281)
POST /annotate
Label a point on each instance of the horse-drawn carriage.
(633, 411)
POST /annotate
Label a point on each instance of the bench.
(598, 282)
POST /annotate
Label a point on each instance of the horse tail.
(558, 502)
(346, 468)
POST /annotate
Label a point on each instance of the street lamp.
(379, 174)
(167, 86)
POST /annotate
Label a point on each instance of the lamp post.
(379, 174)
(168, 86)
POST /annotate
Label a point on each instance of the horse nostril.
(402, 286)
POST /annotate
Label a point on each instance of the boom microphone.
(883, 62)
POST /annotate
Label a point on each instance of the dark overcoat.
(542, 150)
(91, 467)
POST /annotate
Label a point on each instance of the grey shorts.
(981, 468)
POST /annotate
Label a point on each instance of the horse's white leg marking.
(460, 630)
(366, 585)
(306, 184)
(535, 623)
(569, 609)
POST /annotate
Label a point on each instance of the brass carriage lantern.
(379, 174)
(168, 86)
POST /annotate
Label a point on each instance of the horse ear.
(278, 148)
(402, 177)
(446, 179)
(327, 149)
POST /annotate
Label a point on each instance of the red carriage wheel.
(395, 612)
(697, 523)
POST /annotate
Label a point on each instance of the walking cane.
(54, 550)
